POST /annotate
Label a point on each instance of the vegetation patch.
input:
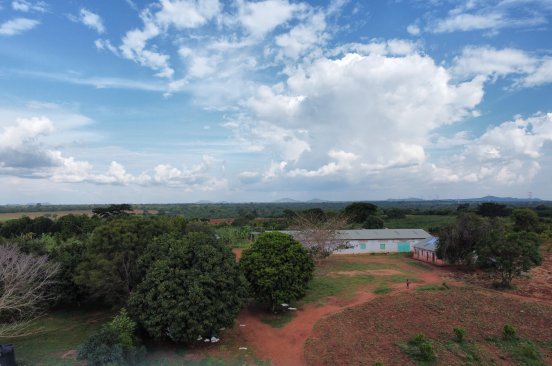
(432, 288)
(420, 265)
(382, 289)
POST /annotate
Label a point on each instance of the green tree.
(358, 212)
(193, 288)
(278, 268)
(458, 241)
(113, 211)
(373, 222)
(110, 263)
(509, 254)
(526, 219)
(492, 209)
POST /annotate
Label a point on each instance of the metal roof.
(428, 244)
(378, 234)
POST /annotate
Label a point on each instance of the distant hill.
(410, 199)
(500, 199)
(317, 200)
(204, 202)
(286, 200)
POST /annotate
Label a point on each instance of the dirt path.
(285, 346)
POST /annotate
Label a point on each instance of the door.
(403, 246)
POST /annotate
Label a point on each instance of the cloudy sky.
(238, 100)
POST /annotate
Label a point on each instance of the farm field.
(335, 315)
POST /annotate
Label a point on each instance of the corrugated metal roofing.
(428, 244)
(378, 234)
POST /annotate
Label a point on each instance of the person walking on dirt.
(407, 283)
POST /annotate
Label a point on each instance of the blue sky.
(187, 100)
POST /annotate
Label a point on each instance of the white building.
(376, 240)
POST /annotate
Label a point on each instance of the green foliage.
(427, 352)
(458, 241)
(68, 254)
(396, 213)
(421, 348)
(373, 222)
(508, 332)
(109, 268)
(358, 212)
(509, 254)
(113, 211)
(382, 289)
(492, 209)
(278, 268)
(106, 348)
(124, 327)
(526, 219)
(459, 333)
(193, 288)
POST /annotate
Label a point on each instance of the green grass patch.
(432, 288)
(343, 266)
(420, 349)
(278, 320)
(521, 350)
(466, 351)
(322, 287)
(56, 334)
(421, 265)
(382, 289)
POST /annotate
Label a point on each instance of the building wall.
(428, 256)
(376, 246)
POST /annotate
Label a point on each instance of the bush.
(114, 344)
(508, 332)
(418, 339)
(427, 353)
(459, 333)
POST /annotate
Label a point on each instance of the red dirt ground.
(285, 346)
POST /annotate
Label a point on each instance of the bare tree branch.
(25, 284)
(321, 236)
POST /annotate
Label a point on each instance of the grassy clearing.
(322, 287)
(341, 265)
(57, 333)
(278, 320)
(382, 289)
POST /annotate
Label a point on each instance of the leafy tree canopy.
(358, 212)
(278, 268)
(193, 288)
(113, 210)
(526, 219)
(492, 209)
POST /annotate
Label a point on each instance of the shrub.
(418, 339)
(114, 344)
(427, 352)
(459, 333)
(508, 332)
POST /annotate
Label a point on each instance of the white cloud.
(91, 20)
(17, 26)
(413, 29)
(541, 75)
(494, 62)
(508, 154)
(377, 107)
(27, 6)
(260, 18)
(303, 37)
(184, 14)
(467, 22)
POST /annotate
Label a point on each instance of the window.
(363, 246)
(382, 246)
